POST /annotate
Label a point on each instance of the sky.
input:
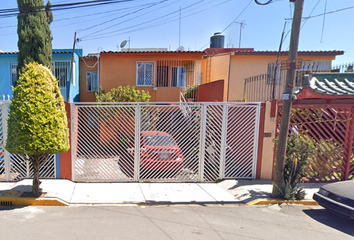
(190, 23)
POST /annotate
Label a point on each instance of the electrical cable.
(168, 14)
(16, 11)
(229, 24)
(94, 37)
(326, 13)
(324, 19)
(141, 9)
(237, 17)
(287, 19)
(266, 3)
(145, 27)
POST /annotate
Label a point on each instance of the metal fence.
(331, 129)
(15, 167)
(174, 142)
(270, 85)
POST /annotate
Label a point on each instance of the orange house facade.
(234, 67)
(164, 74)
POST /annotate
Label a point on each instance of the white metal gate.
(190, 142)
(15, 167)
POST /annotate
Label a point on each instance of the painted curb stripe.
(265, 201)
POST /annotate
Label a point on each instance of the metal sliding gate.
(174, 142)
(15, 167)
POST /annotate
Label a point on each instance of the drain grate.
(6, 203)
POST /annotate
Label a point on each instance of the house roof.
(333, 83)
(149, 52)
(54, 52)
(328, 85)
(213, 51)
(282, 53)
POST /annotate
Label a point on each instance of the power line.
(326, 13)
(230, 23)
(266, 3)
(162, 22)
(139, 24)
(237, 16)
(111, 20)
(12, 12)
(84, 16)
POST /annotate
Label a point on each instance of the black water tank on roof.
(217, 41)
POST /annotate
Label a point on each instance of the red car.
(158, 151)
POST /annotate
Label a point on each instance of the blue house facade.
(62, 61)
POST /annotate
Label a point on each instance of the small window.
(61, 72)
(92, 81)
(274, 74)
(178, 77)
(13, 69)
(144, 73)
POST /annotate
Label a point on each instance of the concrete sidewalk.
(225, 192)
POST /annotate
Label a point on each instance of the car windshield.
(159, 140)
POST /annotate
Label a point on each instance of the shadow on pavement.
(332, 220)
(10, 208)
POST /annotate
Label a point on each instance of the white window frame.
(153, 73)
(87, 83)
(13, 75)
(179, 83)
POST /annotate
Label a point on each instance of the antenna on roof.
(122, 44)
(180, 48)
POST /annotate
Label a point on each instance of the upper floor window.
(13, 69)
(61, 70)
(145, 73)
(92, 82)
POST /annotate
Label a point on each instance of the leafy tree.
(34, 35)
(37, 125)
(123, 94)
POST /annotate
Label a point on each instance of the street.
(173, 222)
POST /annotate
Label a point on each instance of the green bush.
(122, 94)
(191, 92)
(298, 152)
(37, 125)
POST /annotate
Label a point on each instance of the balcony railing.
(269, 86)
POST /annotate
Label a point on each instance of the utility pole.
(287, 100)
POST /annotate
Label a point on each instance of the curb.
(267, 201)
(12, 198)
(9, 201)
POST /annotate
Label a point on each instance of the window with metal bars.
(277, 76)
(61, 70)
(145, 73)
(13, 71)
(92, 81)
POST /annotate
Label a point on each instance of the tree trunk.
(36, 182)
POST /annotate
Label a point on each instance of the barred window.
(92, 81)
(145, 73)
(13, 71)
(61, 70)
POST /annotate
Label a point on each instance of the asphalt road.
(173, 222)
